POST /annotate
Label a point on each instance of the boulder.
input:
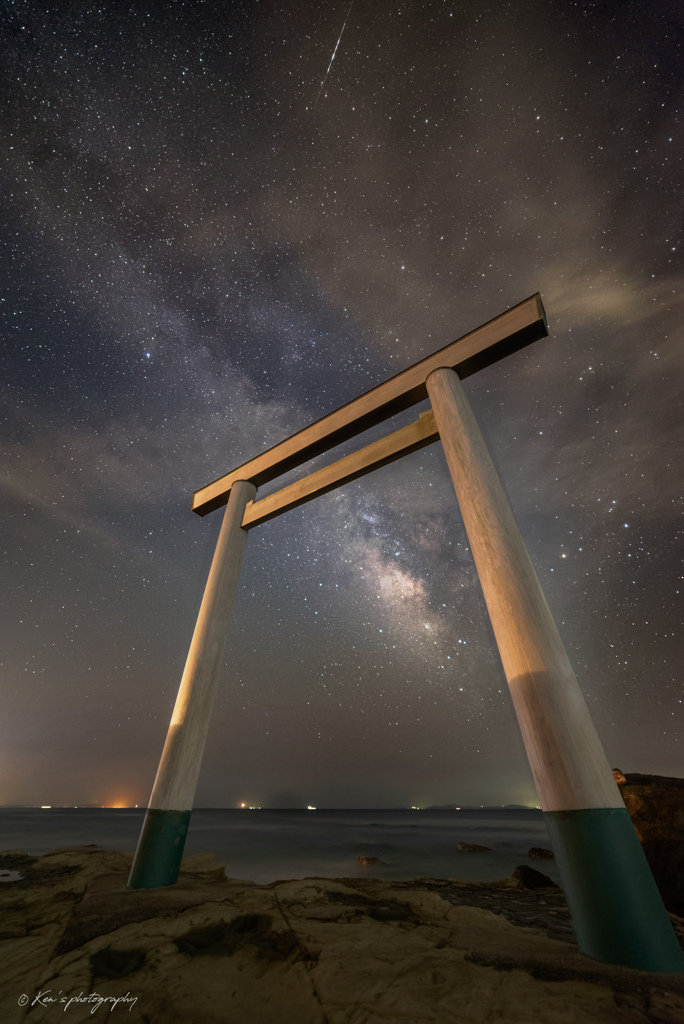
(369, 861)
(656, 807)
(528, 878)
(539, 853)
(666, 860)
(472, 848)
(655, 804)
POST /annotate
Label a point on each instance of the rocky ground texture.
(212, 949)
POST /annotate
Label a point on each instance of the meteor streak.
(325, 77)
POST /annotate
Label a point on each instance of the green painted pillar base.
(616, 908)
(160, 849)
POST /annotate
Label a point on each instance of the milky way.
(196, 264)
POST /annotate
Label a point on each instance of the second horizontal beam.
(388, 449)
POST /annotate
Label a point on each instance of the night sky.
(202, 252)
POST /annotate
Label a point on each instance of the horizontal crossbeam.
(388, 449)
(507, 333)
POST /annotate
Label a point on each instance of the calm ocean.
(265, 845)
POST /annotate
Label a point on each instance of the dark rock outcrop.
(539, 853)
(528, 878)
(656, 807)
(666, 860)
(369, 861)
(655, 804)
(472, 848)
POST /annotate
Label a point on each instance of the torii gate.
(616, 908)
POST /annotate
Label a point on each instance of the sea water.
(267, 845)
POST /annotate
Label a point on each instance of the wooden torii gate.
(616, 908)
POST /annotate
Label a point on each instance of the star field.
(199, 258)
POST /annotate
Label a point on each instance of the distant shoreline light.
(78, 807)
(257, 807)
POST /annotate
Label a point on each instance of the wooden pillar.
(616, 908)
(160, 848)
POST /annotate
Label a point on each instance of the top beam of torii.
(507, 333)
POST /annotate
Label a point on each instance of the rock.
(539, 853)
(655, 804)
(666, 860)
(368, 861)
(221, 951)
(10, 876)
(656, 807)
(15, 860)
(472, 848)
(531, 879)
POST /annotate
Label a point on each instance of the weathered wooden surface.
(566, 756)
(176, 781)
(507, 333)
(394, 446)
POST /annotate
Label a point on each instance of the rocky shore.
(76, 945)
(656, 807)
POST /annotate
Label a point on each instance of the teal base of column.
(160, 849)
(616, 908)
